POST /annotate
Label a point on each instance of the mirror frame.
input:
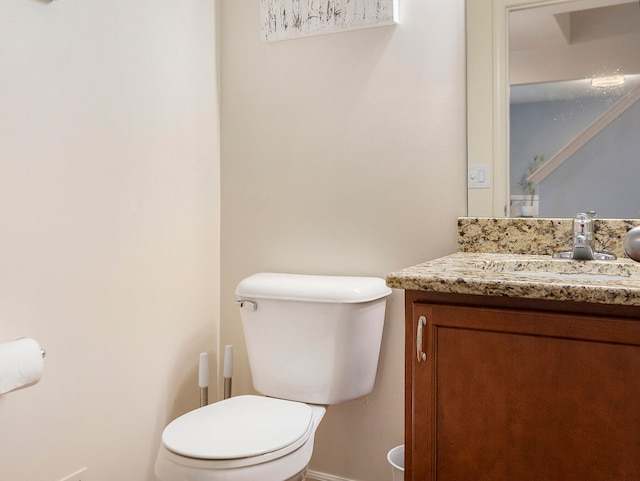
(487, 82)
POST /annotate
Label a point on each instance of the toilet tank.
(313, 339)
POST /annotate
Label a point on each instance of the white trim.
(316, 476)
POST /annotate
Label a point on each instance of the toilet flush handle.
(244, 303)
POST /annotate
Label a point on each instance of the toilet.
(312, 341)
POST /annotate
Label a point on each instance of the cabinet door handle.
(419, 353)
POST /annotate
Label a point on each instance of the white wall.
(109, 218)
(583, 58)
(343, 154)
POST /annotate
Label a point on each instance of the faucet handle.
(583, 229)
(582, 219)
(590, 214)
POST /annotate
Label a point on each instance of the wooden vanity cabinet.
(519, 390)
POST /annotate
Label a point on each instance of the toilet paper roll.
(20, 364)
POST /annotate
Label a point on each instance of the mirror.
(531, 104)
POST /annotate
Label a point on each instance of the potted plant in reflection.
(528, 188)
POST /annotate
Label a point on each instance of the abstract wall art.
(285, 19)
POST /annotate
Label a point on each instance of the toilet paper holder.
(43, 353)
(21, 364)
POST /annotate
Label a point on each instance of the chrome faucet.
(584, 240)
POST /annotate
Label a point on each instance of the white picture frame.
(287, 19)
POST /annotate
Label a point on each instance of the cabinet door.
(509, 395)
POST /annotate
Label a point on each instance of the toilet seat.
(239, 431)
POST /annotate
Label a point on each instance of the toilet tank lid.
(312, 288)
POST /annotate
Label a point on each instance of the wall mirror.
(549, 140)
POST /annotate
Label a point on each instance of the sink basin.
(566, 269)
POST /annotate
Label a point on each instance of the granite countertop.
(490, 274)
(510, 272)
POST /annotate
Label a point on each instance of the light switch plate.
(479, 176)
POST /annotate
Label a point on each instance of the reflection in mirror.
(552, 138)
(574, 145)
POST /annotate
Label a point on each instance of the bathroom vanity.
(519, 366)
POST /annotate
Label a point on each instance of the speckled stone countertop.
(536, 235)
(512, 257)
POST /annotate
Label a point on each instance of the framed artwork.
(286, 19)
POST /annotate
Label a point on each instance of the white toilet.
(312, 341)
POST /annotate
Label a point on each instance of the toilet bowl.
(312, 341)
(244, 438)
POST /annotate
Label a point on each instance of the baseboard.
(316, 476)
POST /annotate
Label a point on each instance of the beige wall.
(342, 154)
(109, 218)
